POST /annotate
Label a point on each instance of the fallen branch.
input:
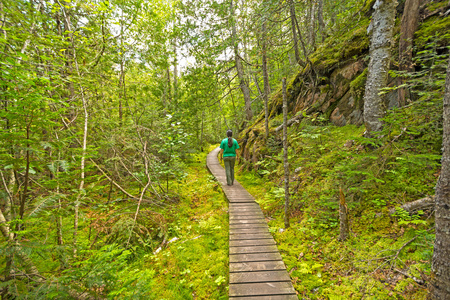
(419, 281)
(297, 119)
(426, 203)
(113, 182)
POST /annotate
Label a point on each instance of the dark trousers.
(229, 168)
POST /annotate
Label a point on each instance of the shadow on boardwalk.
(257, 270)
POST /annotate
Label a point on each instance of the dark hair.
(230, 140)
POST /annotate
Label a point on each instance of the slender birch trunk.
(265, 75)
(285, 156)
(85, 132)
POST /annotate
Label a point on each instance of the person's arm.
(237, 154)
(221, 155)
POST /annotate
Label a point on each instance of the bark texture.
(414, 206)
(383, 24)
(320, 19)
(294, 32)
(285, 156)
(440, 268)
(410, 21)
(265, 76)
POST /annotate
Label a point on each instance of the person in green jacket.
(229, 154)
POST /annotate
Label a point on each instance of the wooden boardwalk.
(256, 268)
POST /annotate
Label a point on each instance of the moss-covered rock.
(333, 82)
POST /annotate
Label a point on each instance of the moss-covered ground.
(196, 265)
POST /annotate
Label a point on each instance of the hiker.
(229, 154)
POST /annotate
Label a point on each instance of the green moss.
(357, 86)
(341, 48)
(433, 28)
(437, 5)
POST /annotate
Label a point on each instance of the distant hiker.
(229, 154)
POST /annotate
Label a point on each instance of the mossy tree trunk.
(382, 24)
(440, 268)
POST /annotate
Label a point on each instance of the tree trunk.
(169, 86)
(294, 32)
(410, 21)
(320, 19)
(440, 288)
(343, 217)
(285, 156)
(239, 68)
(266, 76)
(175, 73)
(383, 24)
(312, 24)
(85, 131)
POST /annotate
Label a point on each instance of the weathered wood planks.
(256, 269)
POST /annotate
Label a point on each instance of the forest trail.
(256, 268)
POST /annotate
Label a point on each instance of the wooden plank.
(245, 208)
(246, 213)
(255, 257)
(233, 207)
(261, 289)
(244, 217)
(257, 266)
(247, 230)
(240, 201)
(253, 249)
(250, 236)
(232, 193)
(261, 276)
(261, 242)
(246, 226)
(237, 205)
(248, 221)
(271, 297)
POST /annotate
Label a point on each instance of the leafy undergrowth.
(174, 251)
(386, 256)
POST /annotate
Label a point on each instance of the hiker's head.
(230, 140)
